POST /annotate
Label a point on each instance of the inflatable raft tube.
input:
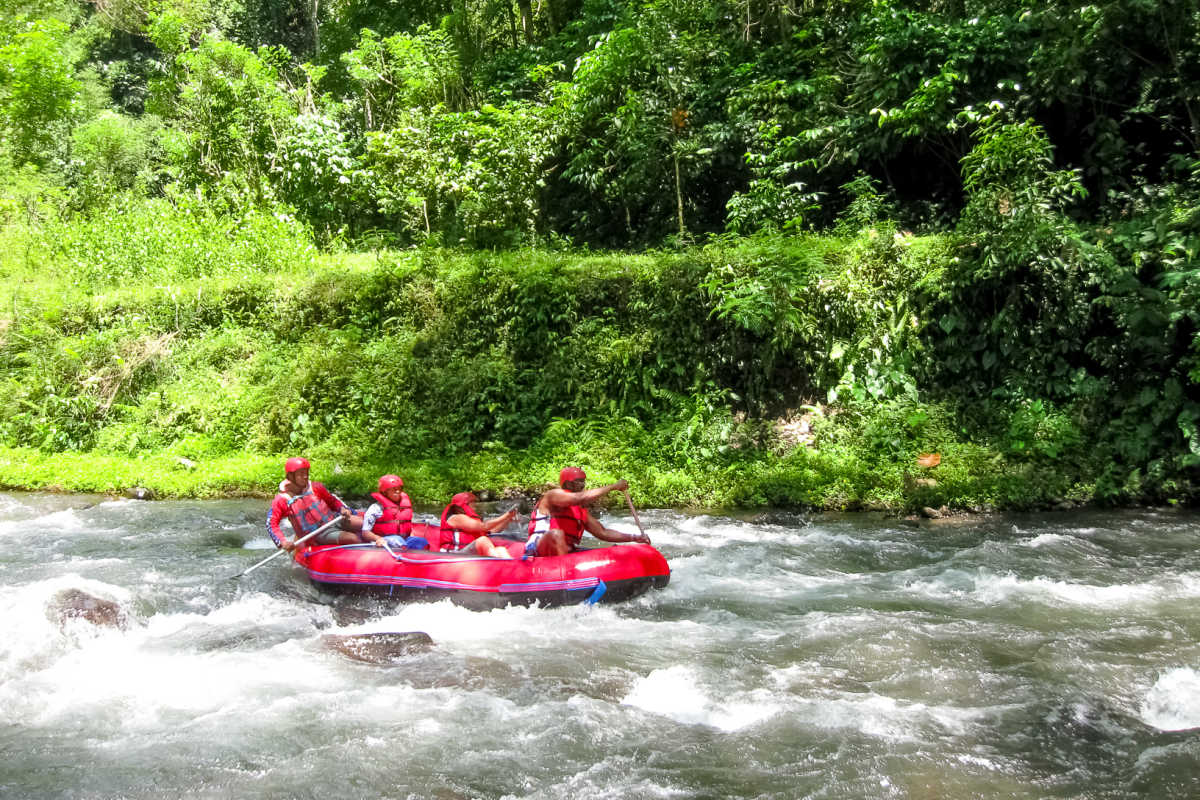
(601, 574)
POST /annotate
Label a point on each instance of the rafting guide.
(308, 505)
(560, 517)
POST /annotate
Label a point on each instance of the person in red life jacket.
(559, 517)
(462, 530)
(308, 505)
(390, 517)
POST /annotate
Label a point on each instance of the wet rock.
(934, 513)
(1094, 720)
(347, 615)
(139, 493)
(378, 648)
(70, 604)
(477, 673)
(792, 519)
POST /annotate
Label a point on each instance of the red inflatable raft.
(600, 574)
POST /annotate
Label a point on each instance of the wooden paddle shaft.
(633, 511)
(299, 542)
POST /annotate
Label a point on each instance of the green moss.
(492, 370)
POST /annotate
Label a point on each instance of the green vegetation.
(741, 254)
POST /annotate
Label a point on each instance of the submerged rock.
(346, 616)
(378, 648)
(72, 604)
(789, 519)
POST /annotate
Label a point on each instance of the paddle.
(634, 512)
(281, 551)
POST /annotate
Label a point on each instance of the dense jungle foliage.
(743, 253)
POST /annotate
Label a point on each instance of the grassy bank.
(831, 470)
(775, 370)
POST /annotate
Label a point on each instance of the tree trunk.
(679, 195)
(551, 16)
(785, 21)
(315, 9)
(526, 7)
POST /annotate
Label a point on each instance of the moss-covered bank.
(809, 479)
(775, 370)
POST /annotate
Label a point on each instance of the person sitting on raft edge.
(462, 530)
(389, 518)
(559, 518)
(308, 506)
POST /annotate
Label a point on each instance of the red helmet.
(571, 474)
(293, 464)
(390, 482)
(463, 499)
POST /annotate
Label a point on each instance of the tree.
(38, 90)
(232, 111)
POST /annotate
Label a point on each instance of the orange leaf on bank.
(928, 460)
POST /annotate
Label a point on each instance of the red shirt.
(279, 509)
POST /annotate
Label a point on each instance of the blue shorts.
(412, 542)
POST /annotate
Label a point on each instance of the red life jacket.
(308, 512)
(569, 520)
(453, 538)
(396, 517)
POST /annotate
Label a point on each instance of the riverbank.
(967, 479)
(805, 371)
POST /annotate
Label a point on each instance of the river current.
(1053, 656)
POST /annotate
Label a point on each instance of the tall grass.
(158, 333)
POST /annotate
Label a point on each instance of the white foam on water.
(887, 717)
(718, 530)
(675, 692)
(709, 576)
(252, 609)
(996, 589)
(517, 632)
(34, 636)
(12, 506)
(135, 677)
(611, 776)
(260, 543)
(1002, 588)
(725, 530)
(1173, 702)
(1047, 539)
(67, 521)
(979, 761)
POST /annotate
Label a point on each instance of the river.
(1052, 656)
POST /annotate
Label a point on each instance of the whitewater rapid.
(833, 657)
